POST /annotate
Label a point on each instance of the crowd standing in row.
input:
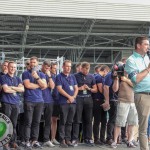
(79, 98)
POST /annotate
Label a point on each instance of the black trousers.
(67, 112)
(100, 116)
(112, 118)
(32, 114)
(48, 110)
(12, 112)
(85, 108)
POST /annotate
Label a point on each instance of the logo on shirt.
(6, 129)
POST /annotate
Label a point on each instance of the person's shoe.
(75, 143)
(22, 144)
(69, 144)
(135, 143)
(28, 146)
(6, 147)
(98, 142)
(48, 144)
(15, 146)
(109, 142)
(63, 144)
(55, 142)
(103, 141)
(36, 144)
(131, 145)
(114, 145)
(89, 142)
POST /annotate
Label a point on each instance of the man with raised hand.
(34, 82)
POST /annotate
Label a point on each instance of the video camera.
(118, 69)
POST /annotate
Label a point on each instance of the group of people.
(78, 98)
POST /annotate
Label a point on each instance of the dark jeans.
(12, 112)
(100, 116)
(48, 110)
(67, 112)
(21, 126)
(32, 114)
(85, 108)
(112, 118)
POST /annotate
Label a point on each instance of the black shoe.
(103, 141)
(63, 144)
(89, 142)
(36, 144)
(98, 142)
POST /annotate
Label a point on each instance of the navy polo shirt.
(10, 98)
(98, 95)
(55, 93)
(85, 79)
(33, 95)
(47, 95)
(67, 83)
(109, 82)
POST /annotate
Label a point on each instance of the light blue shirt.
(134, 65)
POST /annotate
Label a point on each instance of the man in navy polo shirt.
(56, 110)
(4, 70)
(34, 81)
(86, 86)
(67, 87)
(12, 86)
(111, 87)
(98, 113)
(48, 103)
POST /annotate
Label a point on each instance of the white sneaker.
(54, 141)
(48, 144)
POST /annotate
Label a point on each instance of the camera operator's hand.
(123, 78)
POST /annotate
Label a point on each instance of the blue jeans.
(148, 129)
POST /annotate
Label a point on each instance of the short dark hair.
(103, 67)
(53, 63)
(85, 64)
(47, 62)
(34, 57)
(6, 61)
(139, 40)
(67, 61)
(97, 67)
(78, 64)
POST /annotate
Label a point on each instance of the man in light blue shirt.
(138, 69)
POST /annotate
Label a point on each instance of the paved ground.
(84, 147)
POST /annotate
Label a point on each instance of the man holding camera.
(126, 110)
(138, 69)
